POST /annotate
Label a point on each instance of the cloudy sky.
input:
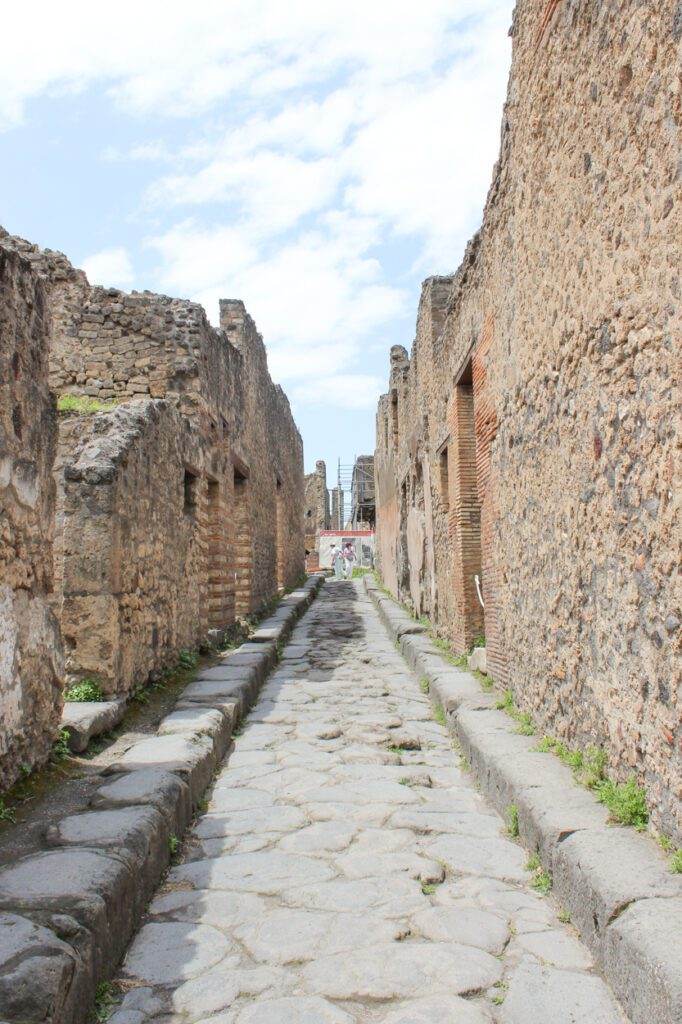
(316, 160)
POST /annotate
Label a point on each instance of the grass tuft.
(676, 862)
(83, 405)
(6, 813)
(105, 1000)
(439, 714)
(626, 802)
(513, 821)
(86, 690)
(424, 685)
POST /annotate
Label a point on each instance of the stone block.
(87, 719)
(41, 976)
(477, 660)
(642, 947)
(192, 756)
(155, 787)
(138, 835)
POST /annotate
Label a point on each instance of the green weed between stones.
(82, 405)
(173, 845)
(676, 862)
(439, 714)
(625, 801)
(542, 880)
(60, 748)
(524, 722)
(6, 813)
(428, 888)
(86, 690)
(359, 571)
(513, 821)
(424, 685)
(564, 916)
(499, 998)
(105, 1000)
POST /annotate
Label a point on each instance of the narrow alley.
(346, 869)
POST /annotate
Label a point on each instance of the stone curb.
(68, 913)
(614, 882)
(85, 719)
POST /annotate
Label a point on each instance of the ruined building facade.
(527, 445)
(141, 528)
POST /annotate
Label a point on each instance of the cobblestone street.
(347, 870)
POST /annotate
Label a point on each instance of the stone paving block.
(98, 890)
(86, 719)
(192, 756)
(437, 1010)
(643, 947)
(598, 872)
(210, 722)
(539, 994)
(138, 835)
(154, 786)
(41, 976)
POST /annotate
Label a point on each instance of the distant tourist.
(348, 558)
(337, 562)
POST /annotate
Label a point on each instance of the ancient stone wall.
(529, 440)
(179, 509)
(30, 647)
(316, 513)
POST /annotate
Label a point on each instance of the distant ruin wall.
(30, 647)
(315, 512)
(553, 353)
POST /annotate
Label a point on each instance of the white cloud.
(110, 268)
(287, 153)
(342, 390)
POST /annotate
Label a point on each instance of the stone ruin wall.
(30, 647)
(181, 507)
(538, 411)
(315, 512)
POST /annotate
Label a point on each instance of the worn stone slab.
(95, 888)
(188, 721)
(138, 835)
(192, 756)
(87, 719)
(41, 976)
(539, 994)
(167, 952)
(293, 1010)
(437, 1010)
(645, 943)
(599, 872)
(159, 788)
(398, 970)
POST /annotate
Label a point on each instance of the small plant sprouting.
(507, 702)
(428, 888)
(188, 659)
(542, 880)
(424, 685)
(626, 802)
(502, 986)
(485, 681)
(87, 689)
(60, 748)
(105, 1001)
(6, 813)
(564, 916)
(405, 781)
(82, 405)
(513, 821)
(524, 722)
(439, 714)
(676, 862)
(173, 845)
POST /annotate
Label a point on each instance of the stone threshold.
(68, 912)
(613, 881)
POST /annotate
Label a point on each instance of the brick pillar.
(242, 546)
(486, 423)
(458, 465)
